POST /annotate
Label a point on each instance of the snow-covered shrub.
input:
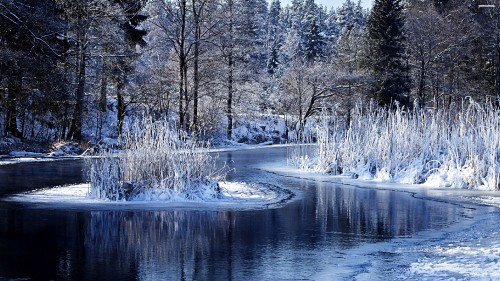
(156, 164)
(457, 147)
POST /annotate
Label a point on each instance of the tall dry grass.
(155, 164)
(455, 147)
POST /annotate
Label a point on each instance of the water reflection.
(220, 245)
(292, 242)
(175, 245)
(379, 213)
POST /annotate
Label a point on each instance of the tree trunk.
(102, 98)
(181, 94)
(186, 99)
(421, 85)
(121, 107)
(196, 78)
(182, 64)
(75, 131)
(229, 109)
(13, 92)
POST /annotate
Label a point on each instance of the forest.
(81, 70)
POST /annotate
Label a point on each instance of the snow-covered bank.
(61, 150)
(476, 256)
(236, 147)
(234, 196)
(466, 250)
(31, 157)
(9, 160)
(457, 147)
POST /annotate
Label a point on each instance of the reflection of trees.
(181, 244)
(379, 214)
(209, 245)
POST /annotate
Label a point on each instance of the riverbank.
(467, 250)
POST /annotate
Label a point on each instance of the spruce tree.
(274, 34)
(313, 49)
(385, 35)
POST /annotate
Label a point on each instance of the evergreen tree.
(314, 45)
(275, 37)
(350, 15)
(386, 38)
(133, 37)
(331, 32)
(251, 32)
(273, 59)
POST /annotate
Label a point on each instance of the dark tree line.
(78, 69)
(51, 54)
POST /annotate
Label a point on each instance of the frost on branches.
(156, 164)
(457, 147)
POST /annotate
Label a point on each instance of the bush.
(456, 147)
(156, 164)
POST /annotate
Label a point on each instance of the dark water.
(314, 233)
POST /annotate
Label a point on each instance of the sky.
(332, 3)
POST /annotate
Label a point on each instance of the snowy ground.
(468, 250)
(235, 195)
(59, 151)
(471, 253)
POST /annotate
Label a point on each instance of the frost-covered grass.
(457, 147)
(156, 164)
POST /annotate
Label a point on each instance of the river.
(328, 231)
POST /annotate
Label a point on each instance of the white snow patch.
(9, 161)
(26, 154)
(235, 195)
(475, 256)
(476, 262)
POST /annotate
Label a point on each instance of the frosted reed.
(456, 147)
(156, 164)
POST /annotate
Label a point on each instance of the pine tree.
(350, 15)
(332, 30)
(274, 37)
(314, 44)
(385, 33)
(251, 31)
(273, 60)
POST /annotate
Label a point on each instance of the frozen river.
(327, 231)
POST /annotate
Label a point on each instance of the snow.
(468, 250)
(26, 154)
(473, 254)
(42, 158)
(465, 259)
(235, 195)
